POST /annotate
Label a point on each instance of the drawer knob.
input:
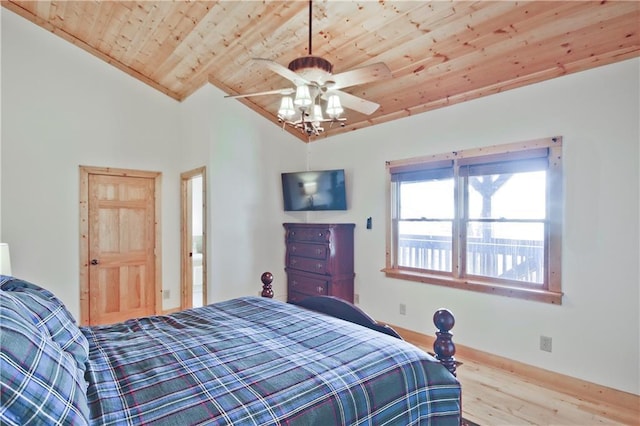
(294, 283)
(319, 266)
(293, 261)
(320, 289)
(319, 251)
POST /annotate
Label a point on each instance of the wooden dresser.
(319, 260)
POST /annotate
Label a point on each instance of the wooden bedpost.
(267, 279)
(443, 345)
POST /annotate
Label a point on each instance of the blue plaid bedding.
(42, 359)
(255, 361)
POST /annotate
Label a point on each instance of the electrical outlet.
(403, 309)
(356, 298)
(166, 294)
(545, 343)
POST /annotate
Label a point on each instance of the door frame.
(85, 171)
(186, 291)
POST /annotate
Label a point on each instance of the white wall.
(1, 129)
(244, 155)
(61, 107)
(596, 331)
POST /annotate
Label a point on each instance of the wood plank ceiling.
(440, 53)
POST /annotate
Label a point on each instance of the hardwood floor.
(492, 396)
(497, 391)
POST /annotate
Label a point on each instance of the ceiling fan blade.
(366, 74)
(284, 92)
(354, 102)
(283, 71)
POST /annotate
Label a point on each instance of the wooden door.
(120, 248)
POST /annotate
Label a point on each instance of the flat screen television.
(314, 190)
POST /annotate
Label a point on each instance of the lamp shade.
(334, 108)
(317, 117)
(286, 107)
(303, 96)
(5, 259)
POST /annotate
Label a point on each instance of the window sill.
(544, 296)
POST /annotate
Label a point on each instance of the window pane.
(432, 199)
(509, 196)
(490, 216)
(506, 250)
(425, 245)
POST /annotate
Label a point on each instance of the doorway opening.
(193, 239)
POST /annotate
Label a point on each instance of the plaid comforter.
(256, 361)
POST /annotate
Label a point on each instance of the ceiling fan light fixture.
(334, 107)
(303, 96)
(286, 107)
(314, 80)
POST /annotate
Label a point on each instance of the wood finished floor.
(494, 397)
(491, 396)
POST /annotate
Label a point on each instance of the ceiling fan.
(313, 79)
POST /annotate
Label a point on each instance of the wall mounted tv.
(314, 190)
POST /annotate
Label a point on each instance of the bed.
(245, 361)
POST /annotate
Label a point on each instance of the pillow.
(50, 315)
(39, 382)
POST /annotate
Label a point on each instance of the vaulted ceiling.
(439, 53)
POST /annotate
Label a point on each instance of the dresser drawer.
(315, 251)
(306, 285)
(315, 266)
(319, 234)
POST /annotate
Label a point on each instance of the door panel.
(121, 246)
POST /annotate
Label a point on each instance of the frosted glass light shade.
(286, 107)
(317, 117)
(5, 259)
(334, 108)
(303, 97)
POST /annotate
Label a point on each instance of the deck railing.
(520, 260)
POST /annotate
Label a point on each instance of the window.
(486, 219)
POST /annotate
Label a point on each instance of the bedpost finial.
(444, 347)
(443, 319)
(267, 279)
